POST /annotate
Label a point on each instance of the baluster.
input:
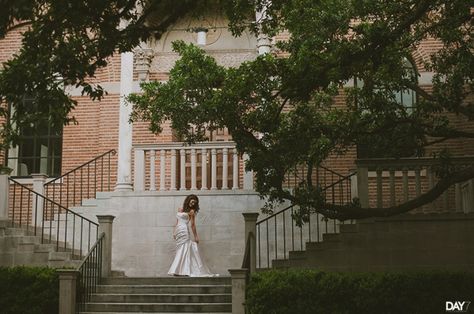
(446, 200)
(162, 170)
(193, 169)
(182, 155)
(152, 170)
(431, 179)
(379, 187)
(392, 187)
(225, 153)
(458, 197)
(214, 169)
(235, 171)
(173, 170)
(405, 184)
(139, 173)
(204, 169)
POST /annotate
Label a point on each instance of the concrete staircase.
(19, 247)
(162, 295)
(406, 242)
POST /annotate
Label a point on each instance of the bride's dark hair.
(187, 200)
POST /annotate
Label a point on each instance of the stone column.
(239, 283)
(105, 226)
(251, 229)
(248, 175)
(67, 290)
(37, 202)
(124, 170)
(4, 191)
(263, 41)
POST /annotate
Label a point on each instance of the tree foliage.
(278, 110)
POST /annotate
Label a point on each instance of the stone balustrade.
(388, 182)
(201, 166)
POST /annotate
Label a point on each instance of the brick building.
(148, 177)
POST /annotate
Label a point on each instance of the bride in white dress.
(187, 261)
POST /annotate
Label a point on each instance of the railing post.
(193, 169)
(363, 186)
(162, 170)
(37, 202)
(203, 169)
(235, 170)
(105, 226)
(225, 164)
(4, 191)
(239, 282)
(67, 290)
(173, 170)
(139, 172)
(182, 183)
(248, 175)
(214, 169)
(152, 170)
(251, 229)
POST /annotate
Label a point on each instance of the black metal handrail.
(55, 223)
(338, 192)
(84, 181)
(90, 274)
(322, 175)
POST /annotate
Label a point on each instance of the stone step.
(156, 312)
(161, 298)
(175, 289)
(167, 280)
(159, 307)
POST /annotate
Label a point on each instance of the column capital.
(105, 218)
(39, 176)
(67, 274)
(238, 273)
(250, 216)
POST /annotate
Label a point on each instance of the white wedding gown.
(187, 261)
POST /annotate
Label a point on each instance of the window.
(38, 150)
(407, 98)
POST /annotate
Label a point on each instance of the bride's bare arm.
(193, 225)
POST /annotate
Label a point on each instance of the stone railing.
(389, 182)
(201, 166)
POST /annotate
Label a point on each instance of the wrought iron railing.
(55, 223)
(320, 176)
(278, 233)
(90, 272)
(82, 182)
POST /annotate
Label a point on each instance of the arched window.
(407, 98)
(39, 149)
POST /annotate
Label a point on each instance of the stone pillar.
(37, 202)
(251, 229)
(248, 175)
(67, 290)
(105, 226)
(363, 186)
(124, 170)
(4, 191)
(239, 283)
(263, 41)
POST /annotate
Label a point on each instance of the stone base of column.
(123, 187)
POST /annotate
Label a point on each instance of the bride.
(187, 261)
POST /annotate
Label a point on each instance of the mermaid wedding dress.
(187, 261)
